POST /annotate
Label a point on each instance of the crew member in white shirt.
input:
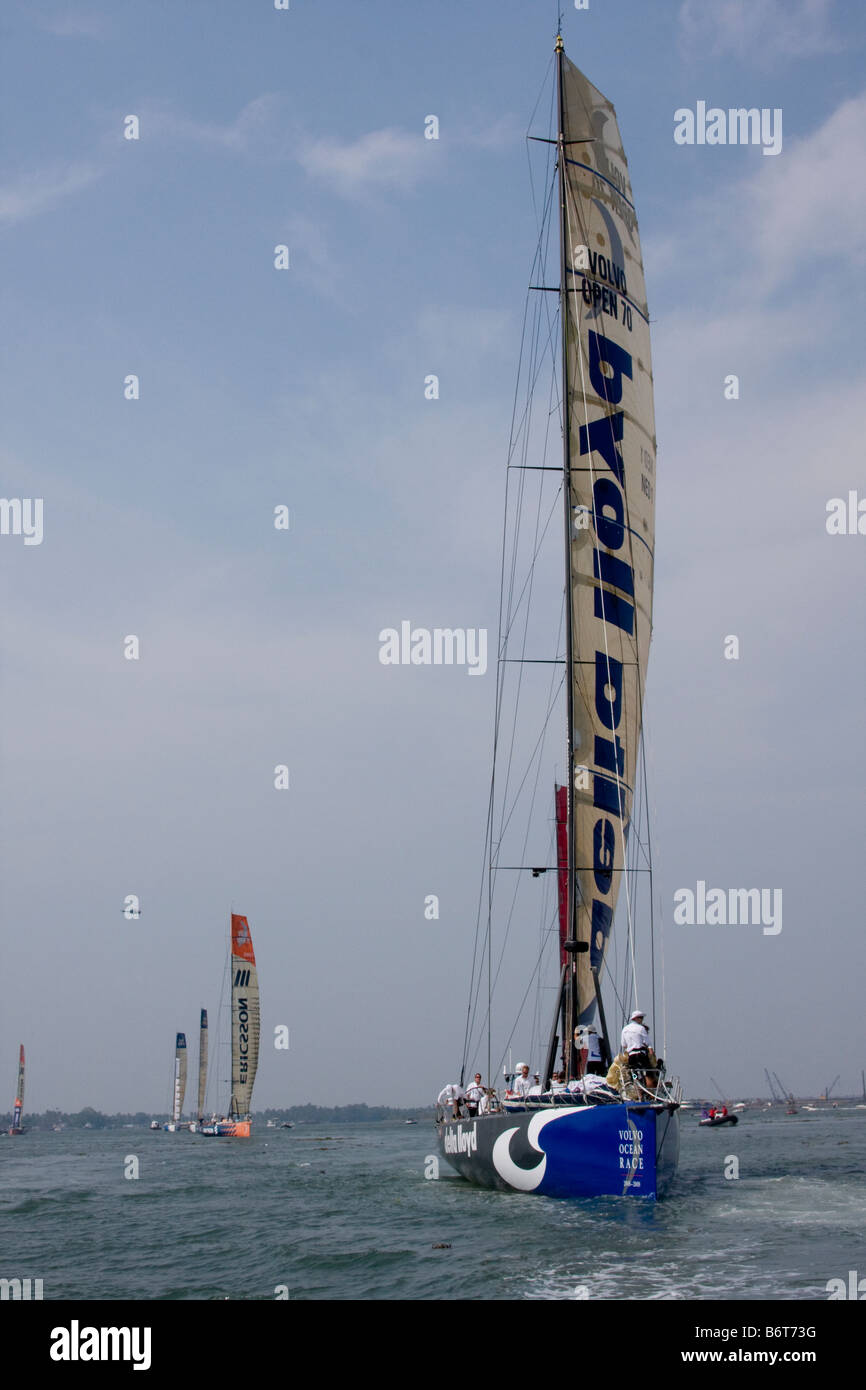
(635, 1040)
(451, 1095)
(474, 1094)
(522, 1083)
(594, 1065)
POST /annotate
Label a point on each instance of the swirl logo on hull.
(526, 1179)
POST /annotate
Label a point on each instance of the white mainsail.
(245, 1017)
(612, 450)
(179, 1077)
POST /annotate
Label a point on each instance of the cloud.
(395, 159)
(80, 24)
(799, 215)
(382, 159)
(41, 191)
(813, 201)
(255, 129)
(310, 253)
(502, 134)
(763, 30)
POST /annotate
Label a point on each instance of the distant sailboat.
(17, 1127)
(179, 1083)
(245, 1035)
(202, 1068)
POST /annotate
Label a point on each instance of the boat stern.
(628, 1150)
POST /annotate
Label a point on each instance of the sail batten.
(611, 467)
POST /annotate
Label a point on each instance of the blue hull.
(626, 1150)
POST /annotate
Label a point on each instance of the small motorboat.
(708, 1119)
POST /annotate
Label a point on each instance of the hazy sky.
(305, 387)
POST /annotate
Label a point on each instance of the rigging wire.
(515, 430)
(537, 753)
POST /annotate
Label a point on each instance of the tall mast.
(568, 1001)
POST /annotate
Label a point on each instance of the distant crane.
(771, 1086)
(786, 1094)
(828, 1089)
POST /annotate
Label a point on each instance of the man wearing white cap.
(635, 1040)
(522, 1083)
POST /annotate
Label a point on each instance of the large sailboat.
(17, 1127)
(244, 1035)
(588, 1123)
(179, 1085)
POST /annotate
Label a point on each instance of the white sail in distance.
(245, 1016)
(612, 451)
(179, 1077)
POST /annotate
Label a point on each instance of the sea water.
(357, 1212)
